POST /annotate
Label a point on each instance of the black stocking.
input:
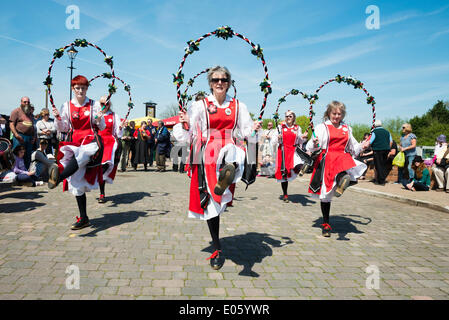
(284, 186)
(214, 229)
(69, 169)
(81, 200)
(102, 188)
(325, 210)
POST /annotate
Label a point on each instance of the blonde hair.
(103, 100)
(44, 112)
(407, 127)
(332, 106)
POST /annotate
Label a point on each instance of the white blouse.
(198, 121)
(64, 125)
(322, 133)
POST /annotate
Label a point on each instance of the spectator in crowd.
(132, 146)
(40, 163)
(178, 154)
(421, 177)
(408, 146)
(162, 141)
(441, 168)
(46, 130)
(393, 152)
(27, 178)
(4, 128)
(366, 156)
(440, 143)
(380, 142)
(141, 148)
(21, 125)
(268, 150)
(126, 145)
(151, 143)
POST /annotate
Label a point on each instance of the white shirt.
(64, 125)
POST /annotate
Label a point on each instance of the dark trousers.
(417, 185)
(151, 153)
(380, 164)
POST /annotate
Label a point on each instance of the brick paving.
(141, 245)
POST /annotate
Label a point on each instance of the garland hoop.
(357, 84)
(224, 32)
(126, 86)
(186, 98)
(82, 43)
(295, 92)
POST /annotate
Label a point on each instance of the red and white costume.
(111, 136)
(291, 137)
(338, 148)
(215, 128)
(78, 121)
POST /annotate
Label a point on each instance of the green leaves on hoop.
(192, 47)
(178, 78)
(109, 61)
(265, 86)
(48, 81)
(112, 89)
(58, 53)
(81, 43)
(257, 51)
(357, 84)
(224, 32)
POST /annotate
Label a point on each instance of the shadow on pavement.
(343, 225)
(110, 220)
(19, 206)
(299, 198)
(126, 198)
(247, 249)
(23, 195)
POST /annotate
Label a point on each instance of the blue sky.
(404, 64)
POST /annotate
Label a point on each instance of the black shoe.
(80, 223)
(216, 260)
(53, 176)
(326, 232)
(342, 185)
(225, 179)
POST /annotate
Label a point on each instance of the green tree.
(433, 123)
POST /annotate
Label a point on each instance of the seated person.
(25, 177)
(441, 169)
(40, 163)
(421, 180)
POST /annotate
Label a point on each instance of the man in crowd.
(381, 143)
(162, 141)
(126, 146)
(151, 142)
(22, 128)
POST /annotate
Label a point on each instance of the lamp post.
(72, 55)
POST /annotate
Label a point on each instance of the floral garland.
(113, 88)
(186, 98)
(81, 43)
(350, 81)
(224, 32)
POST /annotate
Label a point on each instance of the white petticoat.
(76, 182)
(296, 161)
(214, 209)
(354, 173)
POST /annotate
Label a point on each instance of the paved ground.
(142, 246)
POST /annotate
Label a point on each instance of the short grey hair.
(219, 69)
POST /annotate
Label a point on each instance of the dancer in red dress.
(216, 162)
(335, 167)
(79, 158)
(288, 162)
(111, 136)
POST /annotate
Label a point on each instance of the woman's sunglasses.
(216, 80)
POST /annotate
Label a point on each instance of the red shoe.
(285, 199)
(216, 260)
(326, 230)
(101, 199)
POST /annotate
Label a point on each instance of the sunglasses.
(289, 116)
(216, 80)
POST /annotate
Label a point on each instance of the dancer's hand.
(304, 136)
(315, 142)
(56, 114)
(183, 117)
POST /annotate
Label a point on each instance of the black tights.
(102, 187)
(69, 169)
(325, 210)
(214, 229)
(284, 186)
(81, 200)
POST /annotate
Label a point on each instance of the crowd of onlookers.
(33, 140)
